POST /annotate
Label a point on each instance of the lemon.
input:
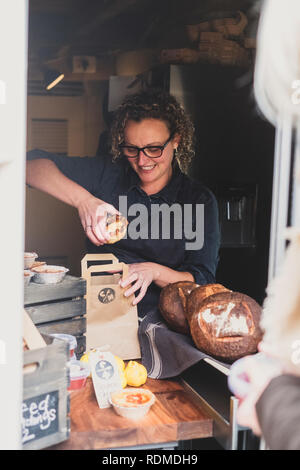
(123, 379)
(135, 373)
(121, 368)
(120, 363)
(86, 358)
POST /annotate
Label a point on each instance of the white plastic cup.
(79, 373)
(71, 340)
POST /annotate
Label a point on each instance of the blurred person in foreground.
(271, 405)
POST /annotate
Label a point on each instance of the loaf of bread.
(198, 295)
(172, 305)
(116, 225)
(226, 326)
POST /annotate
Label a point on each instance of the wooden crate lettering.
(45, 406)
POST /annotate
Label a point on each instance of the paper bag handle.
(108, 267)
(96, 257)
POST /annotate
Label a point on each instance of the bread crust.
(201, 293)
(172, 305)
(227, 326)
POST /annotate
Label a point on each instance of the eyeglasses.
(151, 151)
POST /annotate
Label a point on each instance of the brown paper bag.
(112, 320)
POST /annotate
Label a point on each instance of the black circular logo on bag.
(106, 295)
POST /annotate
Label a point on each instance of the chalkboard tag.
(39, 416)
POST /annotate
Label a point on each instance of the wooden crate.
(46, 403)
(59, 308)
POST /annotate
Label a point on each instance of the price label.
(105, 375)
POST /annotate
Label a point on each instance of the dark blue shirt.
(108, 180)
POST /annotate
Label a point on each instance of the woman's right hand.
(92, 212)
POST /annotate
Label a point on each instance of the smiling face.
(154, 173)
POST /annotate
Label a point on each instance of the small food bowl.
(29, 259)
(38, 264)
(49, 274)
(132, 403)
(27, 276)
(79, 372)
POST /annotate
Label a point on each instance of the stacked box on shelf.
(59, 308)
(46, 401)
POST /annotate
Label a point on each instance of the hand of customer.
(92, 212)
(140, 275)
(290, 361)
(259, 373)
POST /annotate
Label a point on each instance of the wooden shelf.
(173, 417)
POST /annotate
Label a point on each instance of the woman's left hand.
(140, 275)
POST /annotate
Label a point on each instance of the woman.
(152, 148)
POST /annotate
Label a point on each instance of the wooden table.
(173, 417)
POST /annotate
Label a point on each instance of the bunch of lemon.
(134, 374)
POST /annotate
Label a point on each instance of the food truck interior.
(95, 46)
(108, 49)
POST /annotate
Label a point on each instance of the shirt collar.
(168, 193)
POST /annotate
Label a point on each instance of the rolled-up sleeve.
(88, 172)
(202, 262)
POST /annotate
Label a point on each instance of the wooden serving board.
(173, 417)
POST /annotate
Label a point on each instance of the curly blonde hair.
(155, 104)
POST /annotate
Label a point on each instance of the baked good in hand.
(172, 305)
(226, 326)
(116, 225)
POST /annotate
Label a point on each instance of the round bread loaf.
(116, 225)
(226, 326)
(198, 295)
(172, 305)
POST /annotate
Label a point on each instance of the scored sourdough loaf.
(198, 295)
(172, 304)
(226, 326)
